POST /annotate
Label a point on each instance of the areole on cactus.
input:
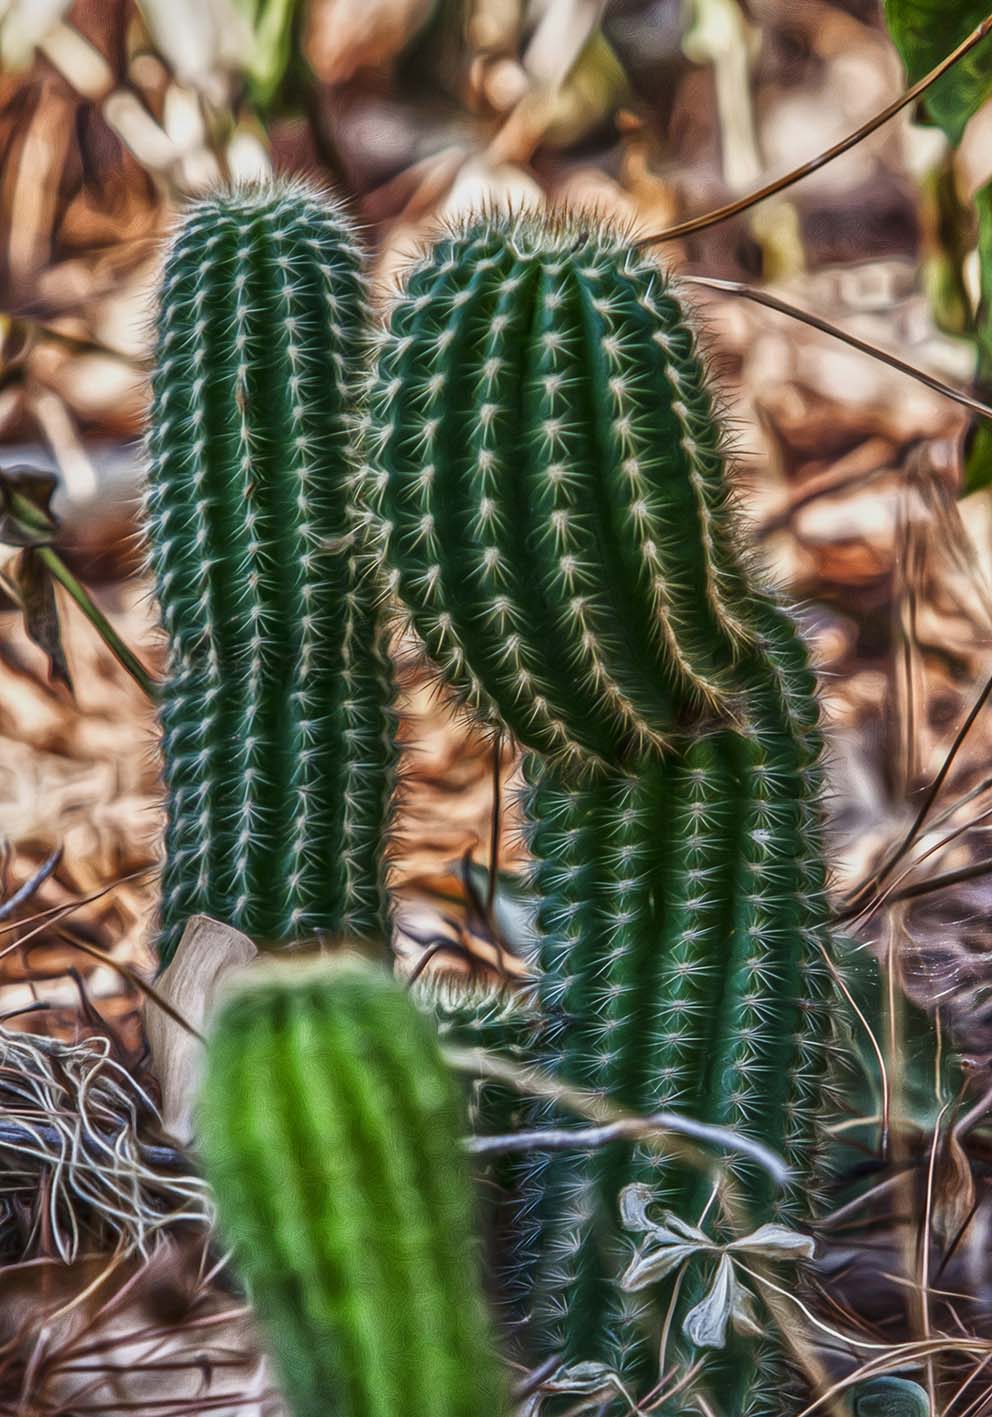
(547, 490)
(275, 732)
(330, 1129)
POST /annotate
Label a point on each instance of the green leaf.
(977, 457)
(60, 572)
(890, 1397)
(925, 32)
(951, 219)
(26, 520)
(272, 35)
(978, 442)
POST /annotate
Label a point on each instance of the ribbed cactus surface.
(682, 935)
(549, 479)
(330, 1129)
(548, 491)
(275, 735)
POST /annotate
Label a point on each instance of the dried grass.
(82, 1169)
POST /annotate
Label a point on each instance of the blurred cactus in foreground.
(330, 1130)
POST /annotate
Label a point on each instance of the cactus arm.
(600, 597)
(552, 420)
(275, 709)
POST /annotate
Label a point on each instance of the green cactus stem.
(547, 490)
(890, 1397)
(548, 483)
(682, 950)
(330, 1130)
(275, 730)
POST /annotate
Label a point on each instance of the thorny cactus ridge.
(547, 480)
(275, 732)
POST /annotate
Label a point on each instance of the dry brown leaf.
(208, 952)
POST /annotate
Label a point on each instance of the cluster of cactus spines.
(547, 488)
(330, 1129)
(276, 737)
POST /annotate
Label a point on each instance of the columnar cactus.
(549, 472)
(681, 936)
(330, 1129)
(275, 733)
(547, 487)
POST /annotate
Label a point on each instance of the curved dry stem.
(816, 322)
(788, 179)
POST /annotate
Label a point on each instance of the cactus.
(549, 477)
(330, 1131)
(682, 925)
(547, 490)
(890, 1397)
(275, 732)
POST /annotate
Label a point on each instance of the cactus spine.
(548, 489)
(330, 1131)
(275, 735)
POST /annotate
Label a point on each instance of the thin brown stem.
(816, 322)
(856, 905)
(779, 184)
(142, 985)
(949, 878)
